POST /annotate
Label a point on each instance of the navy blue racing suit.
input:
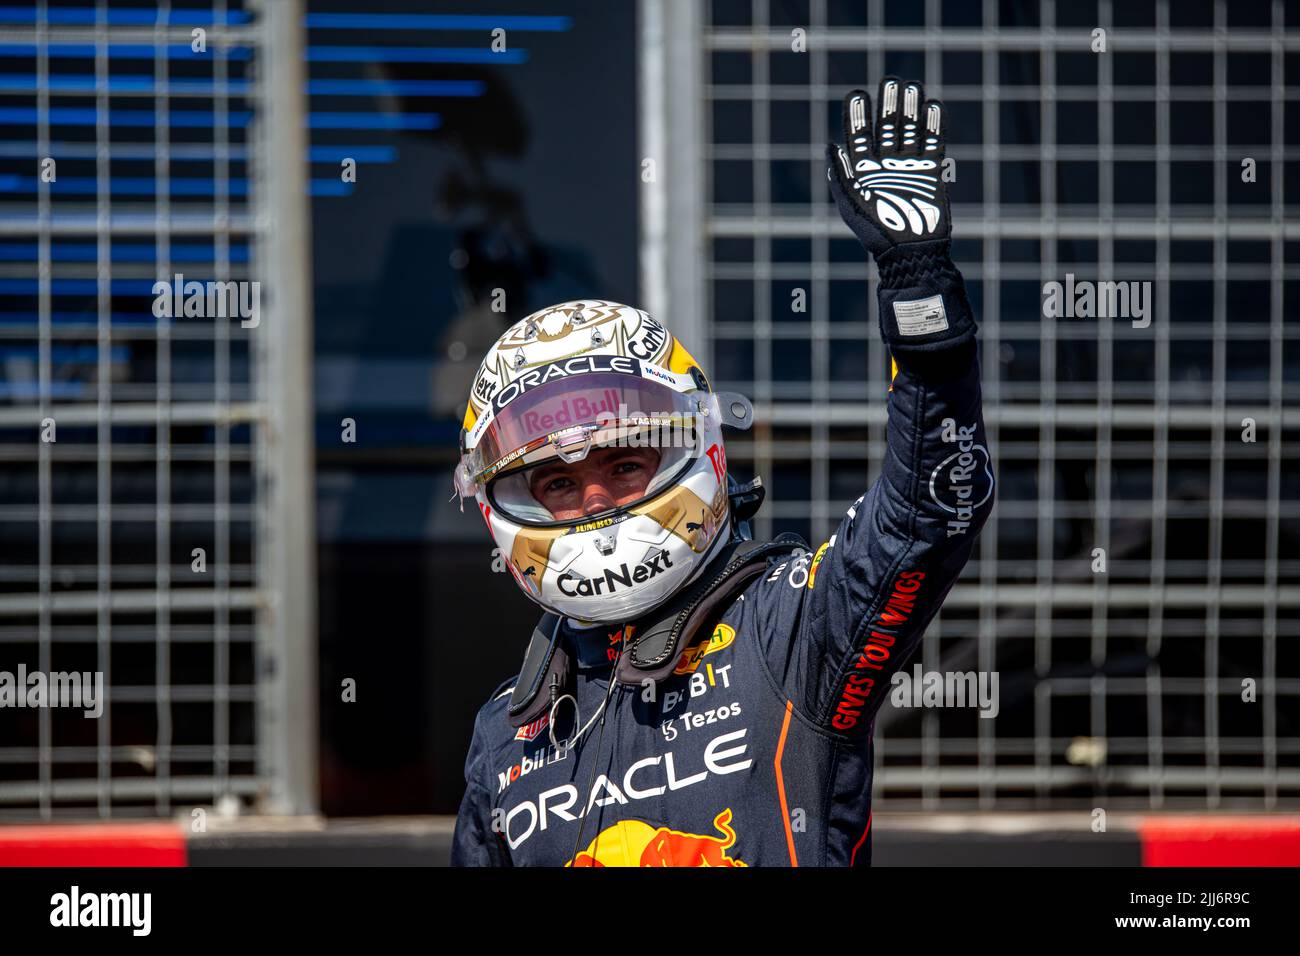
(758, 750)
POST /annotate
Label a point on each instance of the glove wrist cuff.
(918, 264)
(923, 304)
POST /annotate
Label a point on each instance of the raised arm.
(873, 587)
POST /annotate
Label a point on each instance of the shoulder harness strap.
(546, 663)
(662, 636)
(660, 642)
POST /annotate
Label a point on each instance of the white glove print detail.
(932, 115)
(904, 192)
(890, 167)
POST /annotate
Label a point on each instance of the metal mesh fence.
(1115, 441)
(134, 476)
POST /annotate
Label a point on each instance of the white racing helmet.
(561, 383)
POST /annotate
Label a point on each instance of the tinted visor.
(563, 421)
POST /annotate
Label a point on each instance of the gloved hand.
(886, 181)
(886, 178)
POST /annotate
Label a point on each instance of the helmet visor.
(560, 423)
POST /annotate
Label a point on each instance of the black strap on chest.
(659, 638)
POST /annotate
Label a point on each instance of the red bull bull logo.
(637, 843)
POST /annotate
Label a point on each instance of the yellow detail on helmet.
(681, 361)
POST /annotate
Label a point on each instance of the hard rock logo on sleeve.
(963, 482)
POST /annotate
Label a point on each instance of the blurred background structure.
(1115, 443)
(514, 173)
(156, 479)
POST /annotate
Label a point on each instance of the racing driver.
(691, 696)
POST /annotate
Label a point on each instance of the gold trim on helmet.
(532, 550)
(679, 511)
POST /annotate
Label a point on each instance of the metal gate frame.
(281, 590)
(932, 771)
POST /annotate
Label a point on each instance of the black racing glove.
(890, 192)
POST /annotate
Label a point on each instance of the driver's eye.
(556, 485)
